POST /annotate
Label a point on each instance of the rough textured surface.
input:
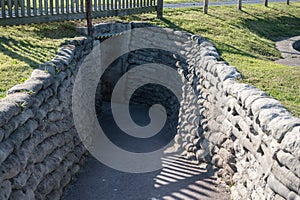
(39, 147)
(188, 180)
(250, 137)
(290, 51)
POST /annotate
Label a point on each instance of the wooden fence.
(15, 12)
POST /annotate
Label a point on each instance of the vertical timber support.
(88, 17)
(205, 7)
(239, 4)
(287, 2)
(266, 3)
(160, 5)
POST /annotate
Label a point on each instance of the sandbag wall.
(246, 133)
(39, 147)
(250, 136)
(151, 94)
(148, 94)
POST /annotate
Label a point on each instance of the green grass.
(189, 1)
(23, 48)
(244, 39)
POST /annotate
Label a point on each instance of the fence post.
(205, 7)
(240, 4)
(160, 5)
(88, 17)
(287, 2)
(266, 3)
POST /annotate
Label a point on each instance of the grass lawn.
(244, 38)
(188, 1)
(23, 48)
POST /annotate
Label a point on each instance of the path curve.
(179, 178)
(291, 56)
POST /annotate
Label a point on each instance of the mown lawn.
(244, 38)
(188, 1)
(23, 48)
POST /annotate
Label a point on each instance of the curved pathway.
(291, 56)
(178, 179)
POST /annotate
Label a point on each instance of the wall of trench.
(40, 150)
(251, 137)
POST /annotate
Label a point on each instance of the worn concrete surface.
(291, 56)
(178, 179)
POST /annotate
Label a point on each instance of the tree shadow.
(227, 48)
(171, 25)
(273, 28)
(266, 29)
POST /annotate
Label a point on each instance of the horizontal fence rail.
(15, 12)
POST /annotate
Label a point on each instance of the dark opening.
(296, 45)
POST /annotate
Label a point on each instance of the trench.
(151, 87)
(178, 176)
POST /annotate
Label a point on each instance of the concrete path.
(178, 179)
(291, 56)
(220, 3)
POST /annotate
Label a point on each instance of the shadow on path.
(178, 179)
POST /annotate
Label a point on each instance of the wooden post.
(160, 5)
(34, 8)
(88, 17)
(56, 6)
(287, 2)
(266, 3)
(45, 10)
(3, 8)
(9, 5)
(205, 7)
(240, 4)
(29, 9)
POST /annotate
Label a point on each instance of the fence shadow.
(179, 179)
(57, 30)
(21, 50)
(31, 52)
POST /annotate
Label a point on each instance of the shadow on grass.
(22, 51)
(33, 50)
(227, 48)
(57, 30)
(273, 28)
(173, 26)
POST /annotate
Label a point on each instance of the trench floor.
(178, 178)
